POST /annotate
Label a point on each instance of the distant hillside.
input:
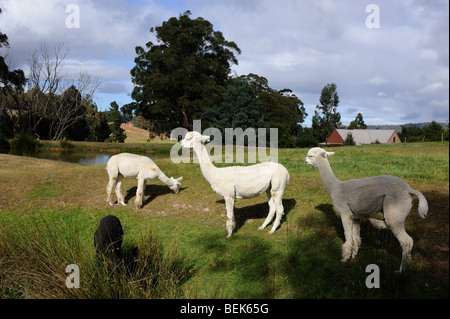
(398, 127)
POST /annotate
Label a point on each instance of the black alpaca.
(108, 241)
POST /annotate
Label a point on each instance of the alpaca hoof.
(344, 260)
(270, 232)
(260, 228)
(228, 236)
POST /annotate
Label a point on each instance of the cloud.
(431, 88)
(387, 74)
(377, 80)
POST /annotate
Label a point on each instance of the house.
(338, 137)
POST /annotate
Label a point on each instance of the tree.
(99, 130)
(281, 109)
(358, 123)
(239, 109)
(117, 133)
(411, 133)
(306, 139)
(433, 131)
(11, 86)
(330, 120)
(54, 102)
(177, 79)
(349, 140)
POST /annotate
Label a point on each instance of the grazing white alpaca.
(132, 165)
(358, 198)
(241, 181)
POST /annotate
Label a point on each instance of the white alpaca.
(359, 198)
(132, 165)
(241, 181)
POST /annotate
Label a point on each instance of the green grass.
(49, 211)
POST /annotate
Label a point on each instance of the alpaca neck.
(164, 179)
(330, 181)
(207, 167)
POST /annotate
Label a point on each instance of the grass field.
(49, 212)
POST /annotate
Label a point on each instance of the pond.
(77, 157)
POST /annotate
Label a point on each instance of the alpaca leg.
(272, 210)
(109, 188)
(406, 242)
(347, 223)
(356, 237)
(279, 209)
(120, 199)
(378, 224)
(395, 213)
(229, 204)
(139, 194)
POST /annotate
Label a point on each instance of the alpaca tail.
(423, 204)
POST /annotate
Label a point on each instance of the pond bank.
(92, 153)
(107, 147)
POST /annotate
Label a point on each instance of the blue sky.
(397, 73)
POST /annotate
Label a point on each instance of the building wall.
(394, 139)
(335, 138)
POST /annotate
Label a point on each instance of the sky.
(389, 59)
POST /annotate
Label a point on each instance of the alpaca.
(132, 165)
(241, 181)
(108, 240)
(358, 198)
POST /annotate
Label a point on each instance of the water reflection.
(83, 158)
(77, 157)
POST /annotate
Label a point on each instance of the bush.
(349, 141)
(64, 143)
(306, 141)
(4, 144)
(24, 143)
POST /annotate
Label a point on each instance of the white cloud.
(432, 88)
(377, 80)
(301, 45)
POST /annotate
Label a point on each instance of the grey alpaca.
(358, 198)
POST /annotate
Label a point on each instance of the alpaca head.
(316, 154)
(193, 137)
(175, 187)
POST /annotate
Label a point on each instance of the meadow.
(50, 210)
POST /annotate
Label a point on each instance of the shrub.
(350, 140)
(4, 144)
(64, 143)
(24, 143)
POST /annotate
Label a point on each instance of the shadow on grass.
(258, 211)
(314, 268)
(244, 266)
(150, 193)
(240, 267)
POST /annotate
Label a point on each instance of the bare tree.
(52, 96)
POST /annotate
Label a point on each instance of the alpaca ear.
(330, 153)
(205, 138)
(180, 178)
(323, 154)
